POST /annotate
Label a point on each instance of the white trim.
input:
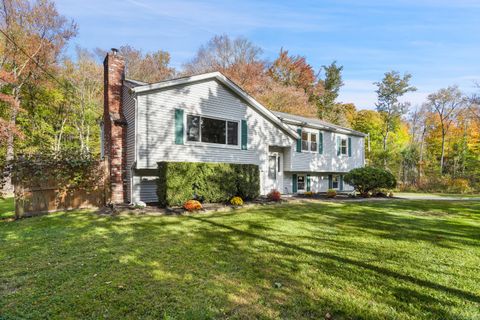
(211, 144)
(227, 82)
(309, 142)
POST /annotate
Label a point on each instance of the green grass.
(362, 260)
(7, 208)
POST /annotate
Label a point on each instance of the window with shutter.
(178, 126)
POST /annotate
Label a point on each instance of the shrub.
(369, 179)
(211, 182)
(308, 194)
(459, 185)
(236, 201)
(274, 195)
(192, 205)
(331, 193)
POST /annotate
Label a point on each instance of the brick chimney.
(114, 124)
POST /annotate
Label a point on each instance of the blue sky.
(438, 41)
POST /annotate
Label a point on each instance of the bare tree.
(445, 103)
(239, 59)
(390, 89)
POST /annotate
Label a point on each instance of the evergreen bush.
(209, 182)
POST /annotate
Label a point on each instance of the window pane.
(279, 164)
(213, 130)
(313, 142)
(193, 128)
(232, 134)
(344, 146)
(304, 140)
(301, 183)
(335, 182)
(272, 172)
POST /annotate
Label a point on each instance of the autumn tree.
(33, 36)
(445, 103)
(238, 58)
(148, 67)
(294, 71)
(392, 87)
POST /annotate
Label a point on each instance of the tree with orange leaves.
(33, 34)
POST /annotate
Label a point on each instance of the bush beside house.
(368, 179)
(208, 182)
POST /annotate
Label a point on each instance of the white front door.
(275, 172)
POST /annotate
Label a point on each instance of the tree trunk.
(443, 152)
(385, 139)
(8, 187)
(420, 163)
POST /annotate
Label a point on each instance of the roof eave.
(326, 127)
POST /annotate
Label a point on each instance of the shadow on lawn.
(198, 267)
(428, 284)
(370, 217)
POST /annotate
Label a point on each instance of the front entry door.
(275, 172)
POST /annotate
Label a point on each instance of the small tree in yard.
(369, 179)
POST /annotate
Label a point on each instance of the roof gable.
(229, 84)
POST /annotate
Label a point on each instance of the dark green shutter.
(179, 126)
(349, 146)
(244, 134)
(308, 182)
(341, 182)
(299, 141)
(294, 183)
(330, 181)
(320, 142)
(339, 146)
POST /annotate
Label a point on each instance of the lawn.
(362, 260)
(7, 208)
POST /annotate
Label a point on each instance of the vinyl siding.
(128, 105)
(328, 161)
(156, 130)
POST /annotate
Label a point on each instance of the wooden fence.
(48, 197)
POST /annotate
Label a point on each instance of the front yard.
(370, 260)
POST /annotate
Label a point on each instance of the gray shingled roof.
(135, 83)
(314, 122)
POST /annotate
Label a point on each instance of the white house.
(208, 118)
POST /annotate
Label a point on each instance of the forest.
(52, 102)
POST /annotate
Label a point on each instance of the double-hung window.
(335, 182)
(343, 146)
(309, 141)
(209, 130)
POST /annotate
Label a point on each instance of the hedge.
(211, 182)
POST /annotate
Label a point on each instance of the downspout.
(134, 148)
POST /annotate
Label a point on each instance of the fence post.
(19, 199)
